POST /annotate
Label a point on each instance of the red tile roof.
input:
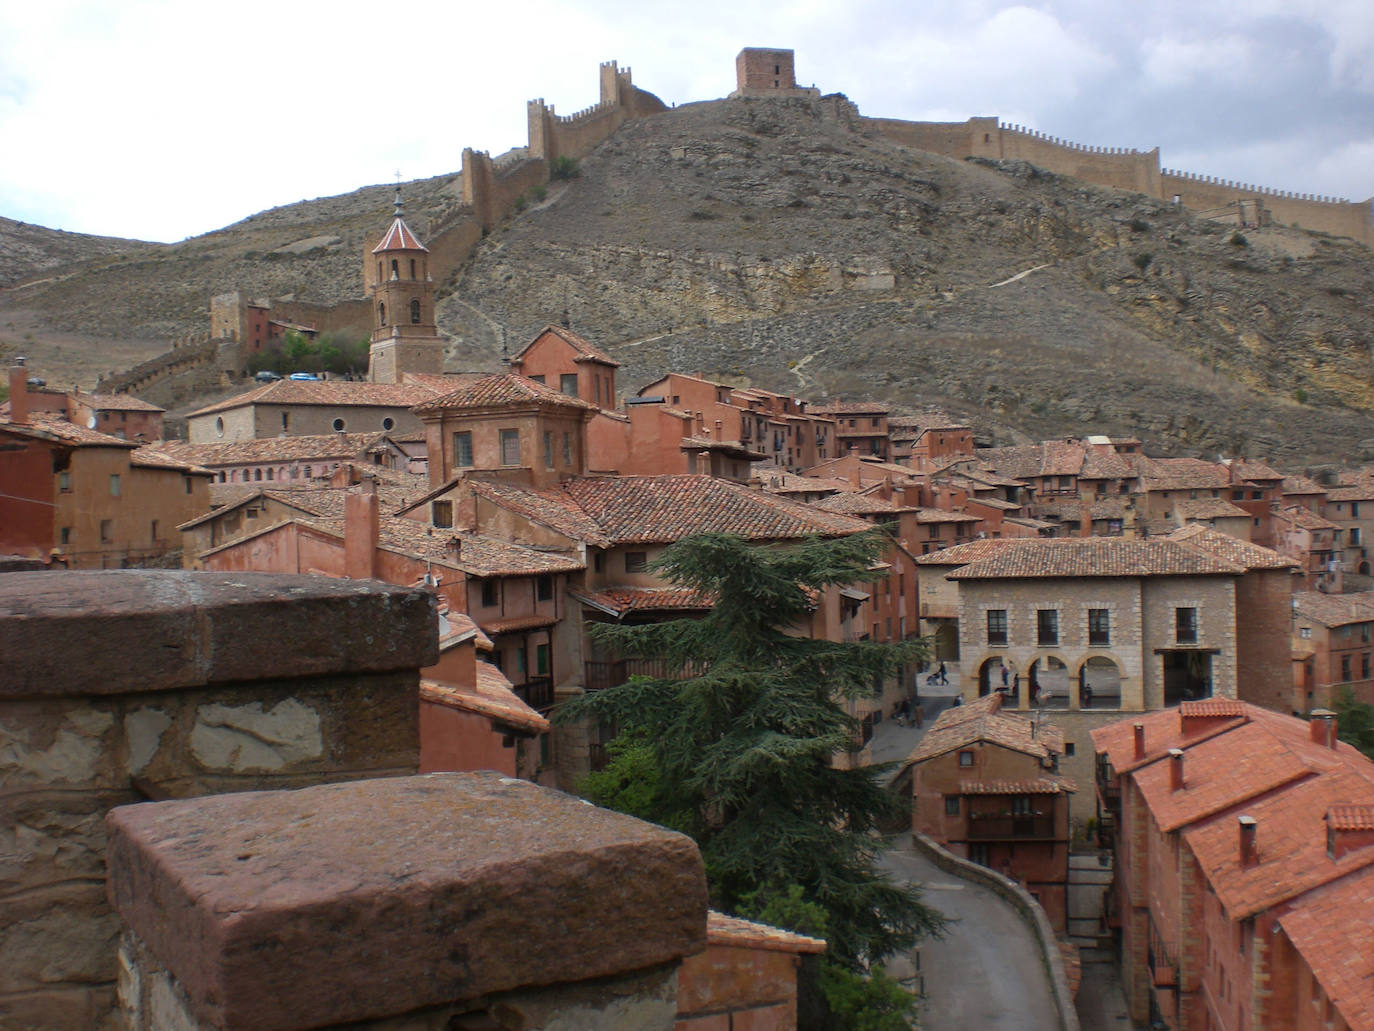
(52, 428)
(1334, 609)
(334, 392)
(1232, 549)
(399, 238)
(491, 696)
(983, 720)
(1328, 928)
(553, 508)
(116, 403)
(1351, 817)
(725, 930)
(849, 408)
(620, 600)
(963, 554)
(1304, 519)
(1095, 557)
(502, 390)
(315, 447)
(1039, 786)
(663, 509)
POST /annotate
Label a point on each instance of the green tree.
(742, 750)
(1354, 721)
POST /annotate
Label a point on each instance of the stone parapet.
(117, 686)
(102, 632)
(427, 896)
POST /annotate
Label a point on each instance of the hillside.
(777, 241)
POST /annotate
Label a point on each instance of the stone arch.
(1099, 679)
(990, 674)
(1047, 681)
(1364, 569)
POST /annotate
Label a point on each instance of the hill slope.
(780, 242)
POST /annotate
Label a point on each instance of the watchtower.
(404, 337)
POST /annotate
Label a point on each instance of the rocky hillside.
(782, 243)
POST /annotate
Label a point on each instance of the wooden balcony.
(536, 692)
(614, 672)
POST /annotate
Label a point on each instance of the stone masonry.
(119, 686)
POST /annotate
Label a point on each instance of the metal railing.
(536, 692)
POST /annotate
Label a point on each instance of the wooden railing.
(536, 692)
(614, 672)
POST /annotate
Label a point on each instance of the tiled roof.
(116, 403)
(662, 509)
(338, 393)
(620, 600)
(1208, 508)
(1334, 609)
(1352, 492)
(963, 554)
(1182, 474)
(733, 448)
(1304, 519)
(586, 350)
(53, 428)
(849, 408)
(1071, 510)
(316, 447)
(399, 238)
(491, 696)
(1351, 817)
(1039, 786)
(151, 459)
(1302, 485)
(944, 515)
(1249, 469)
(1095, 557)
(553, 508)
(983, 720)
(790, 483)
(1232, 549)
(1323, 928)
(479, 555)
(722, 929)
(499, 390)
(1106, 465)
(850, 503)
(513, 624)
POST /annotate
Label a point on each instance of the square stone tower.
(759, 69)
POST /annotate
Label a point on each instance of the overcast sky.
(162, 119)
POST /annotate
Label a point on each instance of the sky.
(164, 119)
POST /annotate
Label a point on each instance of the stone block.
(99, 632)
(348, 902)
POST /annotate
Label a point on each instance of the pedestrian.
(943, 679)
(1005, 673)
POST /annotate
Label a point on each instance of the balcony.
(614, 672)
(987, 827)
(536, 692)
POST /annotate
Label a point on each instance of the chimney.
(1249, 846)
(362, 523)
(1138, 730)
(1322, 727)
(19, 392)
(455, 548)
(1175, 769)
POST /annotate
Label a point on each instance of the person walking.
(943, 678)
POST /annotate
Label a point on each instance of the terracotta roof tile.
(1304, 519)
(620, 600)
(850, 503)
(722, 929)
(156, 460)
(963, 554)
(1353, 492)
(586, 350)
(1303, 485)
(338, 393)
(1324, 928)
(316, 447)
(399, 238)
(1232, 549)
(116, 403)
(849, 408)
(983, 720)
(68, 433)
(662, 509)
(1208, 508)
(1334, 609)
(1182, 474)
(499, 390)
(553, 508)
(480, 555)
(1039, 786)
(1095, 557)
(1351, 817)
(491, 696)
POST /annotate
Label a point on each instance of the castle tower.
(404, 337)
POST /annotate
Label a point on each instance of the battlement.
(1066, 144)
(1265, 191)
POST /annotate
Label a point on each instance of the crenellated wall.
(1212, 195)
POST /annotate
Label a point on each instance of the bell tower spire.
(404, 335)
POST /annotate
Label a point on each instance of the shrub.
(1142, 261)
(520, 203)
(1238, 239)
(539, 193)
(564, 167)
(1139, 225)
(1300, 395)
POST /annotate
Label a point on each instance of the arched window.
(412, 268)
(395, 269)
(414, 311)
(381, 314)
(269, 473)
(257, 474)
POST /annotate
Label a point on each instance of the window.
(636, 561)
(1364, 666)
(441, 513)
(965, 758)
(568, 383)
(1185, 626)
(599, 562)
(395, 269)
(1345, 667)
(1365, 629)
(64, 482)
(541, 660)
(338, 425)
(538, 379)
(114, 485)
(286, 420)
(388, 423)
(462, 450)
(1305, 633)
(107, 535)
(567, 448)
(152, 536)
(1354, 508)
(510, 447)
(1047, 626)
(997, 626)
(381, 314)
(414, 311)
(544, 588)
(1021, 805)
(491, 593)
(548, 450)
(1099, 627)
(951, 805)
(66, 537)
(1068, 748)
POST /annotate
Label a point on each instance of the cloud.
(1170, 62)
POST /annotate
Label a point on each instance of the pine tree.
(743, 748)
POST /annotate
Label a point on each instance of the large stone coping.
(292, 909)
(116, 631)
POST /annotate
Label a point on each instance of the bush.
(520, 203)
(1142, 261)
(1300, 395)
(1139, 225)
(564, 167)
(539, 193)
(1238, 239)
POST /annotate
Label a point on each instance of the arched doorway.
(990, 675)
(1049, 683)
(1099, 684)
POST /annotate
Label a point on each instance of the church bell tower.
(404, 337)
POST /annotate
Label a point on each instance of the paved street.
(986, 972)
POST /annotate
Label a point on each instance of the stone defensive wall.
(1129, 169)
